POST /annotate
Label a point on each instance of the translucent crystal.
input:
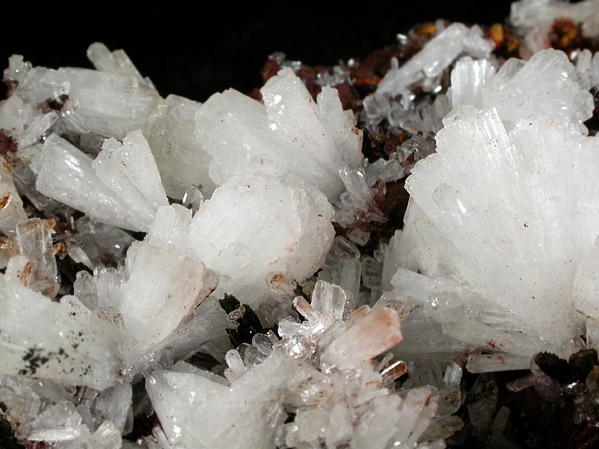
(112, 405)
(546, 85)
(57, 423)
(253, 226)
(327, 298)
(104, 103)
(196, 412)
(116, 61)
(59, 341)
(288, 134)
(100, 243)
(180, 158)
(17, 68)
(171, 285)
(436, 56)
(526, 14)
(467, 79)
(34, 238)
(586, 284)
(543, 184)
(370, 336)
(484, 363)
(11, 206)
(25, 123)
(193, 198)
(121, 187)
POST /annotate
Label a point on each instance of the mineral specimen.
(235, 274)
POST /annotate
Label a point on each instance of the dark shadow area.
(193, 51)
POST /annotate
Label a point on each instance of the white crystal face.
(253, 227)
(495, 210)
(527, 14)
(104, 103)
(11, 205)
(120, 187)
(436, 55)
(24, 122)
(196, 411)
(180, 158)
(339, 399)
(289, 134)
(546, 85)
(64, 342)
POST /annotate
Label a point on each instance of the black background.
(197, 49)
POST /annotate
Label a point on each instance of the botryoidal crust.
(221, 272)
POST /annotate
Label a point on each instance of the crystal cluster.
(286, 134)
(241, 273)
(318, 375)
(486, 228)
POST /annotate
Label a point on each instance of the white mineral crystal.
(498, 259)
(116, 61)
(467, 80)
(23, 122)
(438, 54)
(62, 341)
(198, 411)
(34, 238)
(546, 85)
(253, 227)
(180, 158)
(109, 103)
(11, 205)
(46, 412)
(122, 322)
(17, 69)
(490, 221)
(526, 14)
(120, 187)
(287, 135)
(96, 244)
(341, 400)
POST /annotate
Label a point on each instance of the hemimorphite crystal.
(65, 341)
(545, 85)
(34, 238)
(180, 158)
(123, 321)
(24, 122)
(510, 247)
(339, 400)
(253, 227)
(527, 14)
(120, 187)
(11, 205)
(116, 61)
(106, 103)
(198, 411)
(436, 56)
(289, 134)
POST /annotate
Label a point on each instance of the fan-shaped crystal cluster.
(491, 226)
(234, 274)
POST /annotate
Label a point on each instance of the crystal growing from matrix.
(180, 158)
(436, 56)
(253, 227)
(106, 103)
(120, 187)
(234, 274)
(340, 401)
(288, 134)
(491, 216)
